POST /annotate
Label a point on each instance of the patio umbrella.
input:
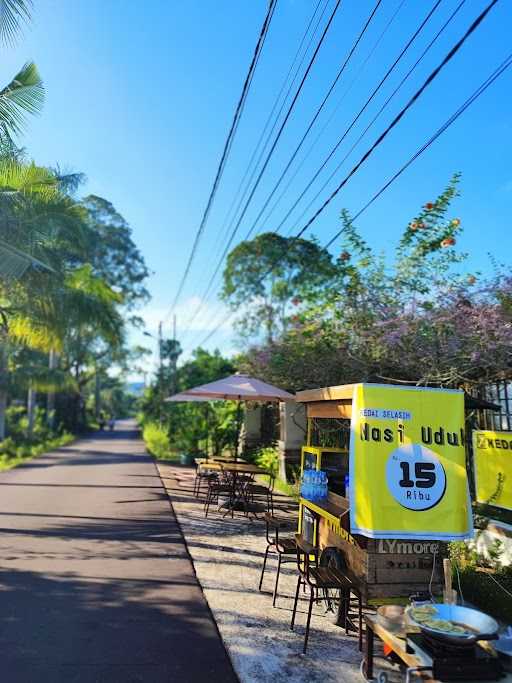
(182, 396)
(240, 388)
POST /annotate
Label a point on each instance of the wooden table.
(396, 642)
(239, 467)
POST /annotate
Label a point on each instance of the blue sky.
(140, 98)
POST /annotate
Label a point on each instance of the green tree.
(271, 273)
(38, 219)
(112, 252)
(191, 425)
(86, 271)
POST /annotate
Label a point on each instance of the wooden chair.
(321, 579)
(283, 546)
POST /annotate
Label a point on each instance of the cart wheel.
(364, 671)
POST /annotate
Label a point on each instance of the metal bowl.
(391, 617)
(480, 626)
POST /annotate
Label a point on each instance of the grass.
(157, 442)
(282, 486)
(16, 455)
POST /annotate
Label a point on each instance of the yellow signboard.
(492, 458)
(407, 464)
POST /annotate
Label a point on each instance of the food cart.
(380, 567)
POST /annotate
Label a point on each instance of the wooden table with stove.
(419, 664)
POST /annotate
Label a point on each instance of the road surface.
(95, 581)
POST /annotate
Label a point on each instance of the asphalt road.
(95, 581)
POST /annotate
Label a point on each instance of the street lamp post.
(160, 368)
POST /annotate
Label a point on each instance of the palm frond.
(14, 262)
(23, 95)
(43, 379)
(13, 14)
(68, 182)
(27, 332)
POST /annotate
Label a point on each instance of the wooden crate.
(386, 568)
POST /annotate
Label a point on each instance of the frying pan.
(480, 626)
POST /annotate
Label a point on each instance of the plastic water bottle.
(310, 485)
(347, 483)
(316, 487)
(325, 487)
(306, 484)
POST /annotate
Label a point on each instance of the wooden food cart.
(381, 568)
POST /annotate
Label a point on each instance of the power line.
(225, 228)
(274, 144)
(267, 160)
(334, 112)
(315, 117)
(340, 72)
(227, 146)
(377, 115)
(477, 93)
(361, 111)
(334, 149)
(400, 115)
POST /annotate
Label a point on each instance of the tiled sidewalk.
(227, 555)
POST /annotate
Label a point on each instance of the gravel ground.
(227, 556)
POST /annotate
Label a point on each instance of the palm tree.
(23, 95)
(40, 222)
(77, 309)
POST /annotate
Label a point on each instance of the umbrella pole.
(207, 418)
(238, 426)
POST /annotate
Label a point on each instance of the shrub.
(268, 459)
(156, 440)
(481, 590)
(13, 453)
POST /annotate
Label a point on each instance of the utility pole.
(160, 372)
(174, 357)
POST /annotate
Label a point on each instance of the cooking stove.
(451, 662)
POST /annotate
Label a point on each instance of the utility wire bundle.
(311, 28)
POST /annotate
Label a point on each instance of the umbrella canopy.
(240, 388)
(177, 398)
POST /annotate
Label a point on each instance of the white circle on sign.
(415, 477)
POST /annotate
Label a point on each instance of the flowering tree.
(417, 320)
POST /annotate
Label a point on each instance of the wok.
(480, 625)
